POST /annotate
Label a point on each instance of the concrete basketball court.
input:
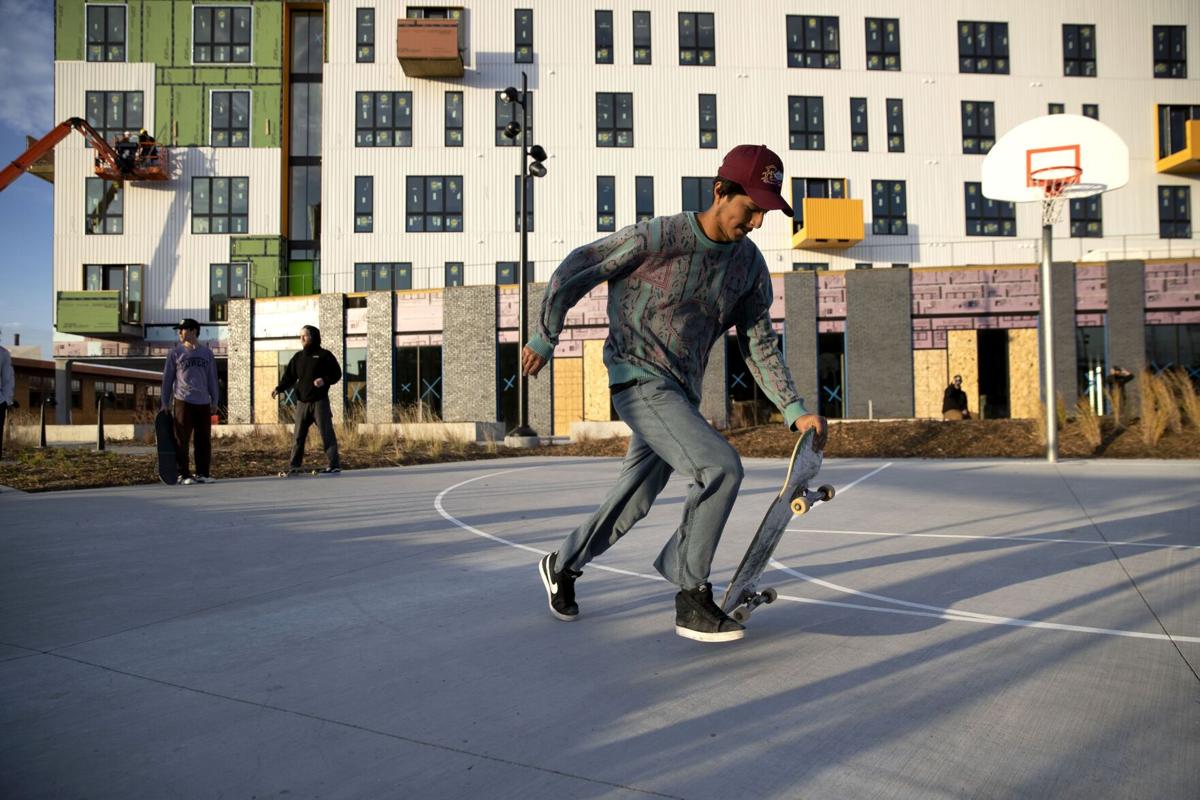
(945, 629)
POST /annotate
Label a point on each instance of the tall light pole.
(532, 165)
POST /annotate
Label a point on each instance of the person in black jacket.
(312, 371)
(954, 401)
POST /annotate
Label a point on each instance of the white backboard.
(1056, 145)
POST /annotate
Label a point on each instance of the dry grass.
(1186, 397)
(1088, 423)
(1155, 411)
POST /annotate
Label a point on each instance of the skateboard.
(164, 437)
(291, 473)
(795, 498)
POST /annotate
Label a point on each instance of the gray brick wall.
(541, 388)
(1127, 323)
(239, 387)
(1063, 310)
(714, 390)
(469, 354)
(879, 361)
(800, 335)
(331, 319)
(381, 355)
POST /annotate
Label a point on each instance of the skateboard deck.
(164, 437)
(795, 498)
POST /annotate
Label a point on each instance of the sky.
(27, 206)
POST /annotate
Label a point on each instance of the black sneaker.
(698, 617)
(560, 588)
(331, 471)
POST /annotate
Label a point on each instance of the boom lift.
(129, 161)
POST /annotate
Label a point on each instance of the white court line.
(950, 615)
(1004, 538)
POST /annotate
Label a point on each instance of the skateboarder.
(676, 284)
(312, 371)
(954, 401)
(191, 394)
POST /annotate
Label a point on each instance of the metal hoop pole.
(1046, 321)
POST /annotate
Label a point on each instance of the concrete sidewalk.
(945, 629)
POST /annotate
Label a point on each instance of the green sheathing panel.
(263, 255)
(301, 278)
(68, 30)
(135, 33)
(183, 88)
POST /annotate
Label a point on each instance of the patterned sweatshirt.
(672, 293)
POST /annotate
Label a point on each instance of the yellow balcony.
(1187, 160)
(830, 223)
(429, 48)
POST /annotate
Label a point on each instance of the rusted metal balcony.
(429, 48)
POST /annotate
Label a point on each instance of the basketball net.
(1056, 183)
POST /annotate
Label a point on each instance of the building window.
(883, 44)
(1091, 110)
(813, 42)
(530, 182)
(1086, 218)
(383, 277)
(708, 121)
(104, 207)
(606, 203)
(454, 274)
(511, 112)
(890, 208)
(808, 266)
(454, 119)
(364, 37)
(858, 124)
(895, 125)
(604, 37)
(644, 197)
(697, 194)
(220, 205)
(435, 204)
(1172, 127)
(697, 39)
(364, 203)
(987, 217)
(126, 279)
(614, 119)
(523, 35)
(1170, 51)
(983, 47)
(230, 119)
(1056, 108)
(122, 394)
(1079, 50)
(641, 37)
(978, 126)
(506, 273)
(113, 114)
(384, 119)
(225, 281)
(221, 34)
(1174, 212)
(417, 380)
(105, 33)
(806, 123)
(812, 187)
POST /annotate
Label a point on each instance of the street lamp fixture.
(532, 158)
(49, 402)
(101, 399)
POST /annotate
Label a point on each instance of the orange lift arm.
(104, 151)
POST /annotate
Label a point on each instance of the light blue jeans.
(668, 434)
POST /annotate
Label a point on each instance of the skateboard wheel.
(740, 614)
(826, 493)
(799, 506)
(770, 595)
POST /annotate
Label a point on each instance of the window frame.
(984, 125)
(218, 310)
(447, 118)
(87, 44)
(111, 135)
(212, 116)
(364, 52)
(701, 188)
(698, 49)
(513, 112)
(882, 51)
(709, 127)
(801, 54)
(968, 62)
(109, 216)
(130, 290)
(896, 212)
(249, 45)
(831, 188)
(815, 139)
(230, 216)
(1175, 217)
(894, 120)
(999, 213)
(643, 188)
(615, 130)
(397, 119)
(520, 57)
(606, 183)
(603, 37)
(1082, 213)
(451, 207)
(860, 141)
(1079, 61)
(1176, 34)
(1167, 114)
(648, 46)
(529, 203)
(364, 213)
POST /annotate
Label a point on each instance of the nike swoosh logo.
(550, 580)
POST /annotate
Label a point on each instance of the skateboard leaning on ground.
(164, 438)
(292, 473)
(795, 498)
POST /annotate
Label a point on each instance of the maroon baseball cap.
(760, 173)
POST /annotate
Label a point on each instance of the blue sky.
(27, 206)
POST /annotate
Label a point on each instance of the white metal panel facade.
(157, 216)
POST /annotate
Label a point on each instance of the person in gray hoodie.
(190, 394)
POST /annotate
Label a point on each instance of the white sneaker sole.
(544, 572)
(701, 636)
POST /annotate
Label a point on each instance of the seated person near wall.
(954, 401)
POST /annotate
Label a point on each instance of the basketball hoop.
(1057, 183)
